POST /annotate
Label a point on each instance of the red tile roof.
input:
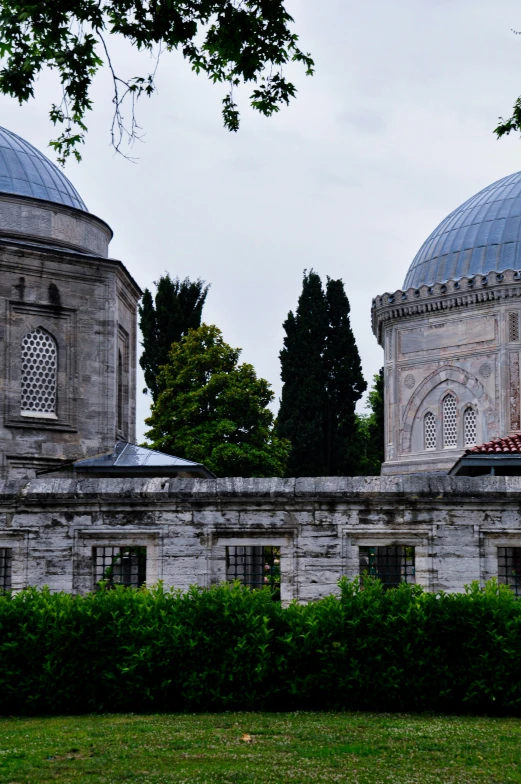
(510, 445)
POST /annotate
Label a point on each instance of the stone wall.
(455, 525)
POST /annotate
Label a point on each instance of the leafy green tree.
(177, 308)
(231, 41)
(322, 381)
(371, 430)
(212, 410)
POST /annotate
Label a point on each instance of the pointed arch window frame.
(61, 323)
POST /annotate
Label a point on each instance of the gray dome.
(483, 235)
(24, 171)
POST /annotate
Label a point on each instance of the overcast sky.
(393, 132)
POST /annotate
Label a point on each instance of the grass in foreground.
(298, 747)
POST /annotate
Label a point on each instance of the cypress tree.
(322, 381)
(301, 414)
(177, 307)
(345, 384)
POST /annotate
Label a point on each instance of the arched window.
(450, 432)
(39, 372)
(429, 430)
(120, 391)
(470, 426)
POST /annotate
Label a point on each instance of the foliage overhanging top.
(232, 41)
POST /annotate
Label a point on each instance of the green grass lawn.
(288, 747)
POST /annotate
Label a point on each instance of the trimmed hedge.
(228, 648)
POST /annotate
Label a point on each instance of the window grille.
(470, 426)
(513, 327)
(509, 567)
(391, 564)
(255, 566)
(450, 433)
(6, 560)
(429, 430)
(120, 566)
(39, 370)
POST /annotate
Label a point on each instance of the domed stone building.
(451, 336)
(67, 321)
(71, 517)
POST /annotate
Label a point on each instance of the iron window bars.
(6, 561)
(120, 566)
(390, 564)
(509, 568)
(255, 566)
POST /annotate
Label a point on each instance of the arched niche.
(467, 389)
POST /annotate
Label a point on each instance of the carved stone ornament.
(485, 370)
(409, 381)
(451, 295)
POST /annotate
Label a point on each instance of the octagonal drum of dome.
(482, 235)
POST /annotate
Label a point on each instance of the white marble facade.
(451, 369)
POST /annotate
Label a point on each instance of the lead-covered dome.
(25, 171)
(482, 235)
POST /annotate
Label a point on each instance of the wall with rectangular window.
(256, 559)
(119, 565)
(391, 564)
(439, 532)
(509, 568)
(6, 568)
(501, 558)
(255, 566)
(116, 557)
(406, 557)
(15, 558)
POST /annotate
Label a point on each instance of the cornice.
(225, 492)
(449, 295)
(76, 261)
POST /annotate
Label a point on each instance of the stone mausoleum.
(67, 321)
(451, 336)
(80, 502)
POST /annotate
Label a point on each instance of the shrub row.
(228, 648)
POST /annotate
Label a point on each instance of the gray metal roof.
(481, 236)
(25, 171)
(133, 460)
(481, 463)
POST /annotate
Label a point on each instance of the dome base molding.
(53, 224)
